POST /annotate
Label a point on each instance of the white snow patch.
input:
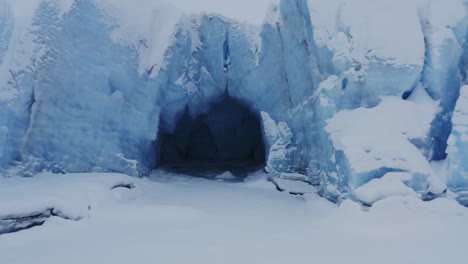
(391, 184)
(379, 137)
(252, 12)
(149, 25)
(363, 30)
(227, 175)
(185, 221)
(73, 195)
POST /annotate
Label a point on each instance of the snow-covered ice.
(391, 184)
(380, 139)
(194, 220)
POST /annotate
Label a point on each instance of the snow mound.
(380, 139)
(73, 195)
(391, 184)
(226, 176)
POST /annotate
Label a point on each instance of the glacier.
(350, 101)
(457, 148)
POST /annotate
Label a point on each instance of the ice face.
(6, 27)
(109, 120)
(86, 87)
(457, 161)
(260, 67)
(440, 77)
(99, 75)
(366, 69)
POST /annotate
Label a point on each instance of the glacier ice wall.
(367, 70)
(78, 53)
(457, 150)
(342, 98)
(212, 57)
(442, 71)
(6, 26)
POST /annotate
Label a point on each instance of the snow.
(391, 184)
(194, 220)
(150, 26)
(442, 25)
(226, 176)
(371, 29)
(388, 30)
(70, 194)
(380, 137)
(360, 132)
(252, 12)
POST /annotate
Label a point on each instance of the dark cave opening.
(227, 138)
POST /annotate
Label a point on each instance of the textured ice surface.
(6, 27)
(345, 92)
(458, 145)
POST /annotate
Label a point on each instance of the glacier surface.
(341, 91)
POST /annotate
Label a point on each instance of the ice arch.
(227, 136)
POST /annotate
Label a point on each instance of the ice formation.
(340, 91)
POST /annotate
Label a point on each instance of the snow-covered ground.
(177, 219)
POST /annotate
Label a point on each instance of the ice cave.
(85, 87)
(227, 137)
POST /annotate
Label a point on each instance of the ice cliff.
(349, 93)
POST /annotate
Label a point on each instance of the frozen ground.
(177, 219)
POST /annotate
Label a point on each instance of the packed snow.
(381, 137)
(391, 184)
(192, 220)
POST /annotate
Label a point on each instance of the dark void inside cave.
(227, 138)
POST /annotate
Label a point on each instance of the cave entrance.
(227, 138)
